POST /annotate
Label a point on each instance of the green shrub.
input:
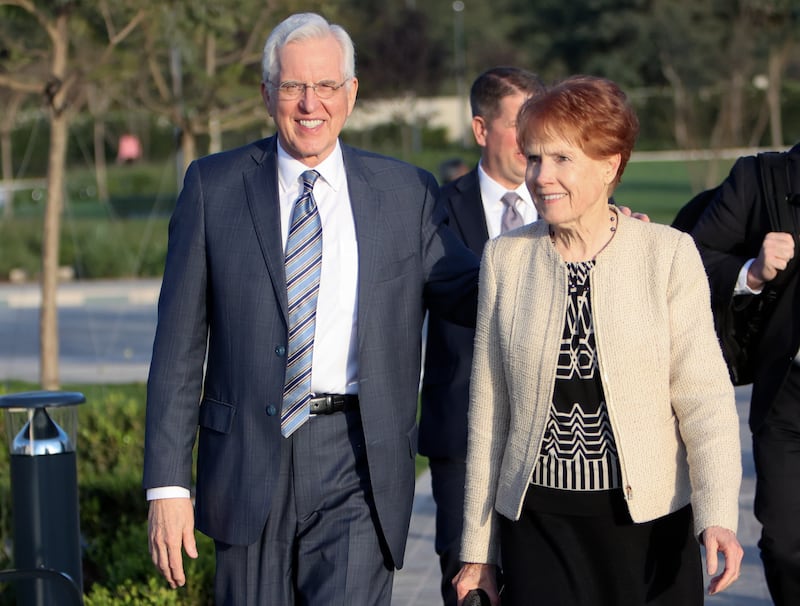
(152, 593)
(117, 568)
(126, 549)
(94, 248)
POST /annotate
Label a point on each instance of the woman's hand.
(474, 576)
(717, 539)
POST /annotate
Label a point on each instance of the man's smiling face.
(308, 126)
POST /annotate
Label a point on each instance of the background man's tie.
(303, 268)
(511, 217)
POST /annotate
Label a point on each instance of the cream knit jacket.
(670, 401)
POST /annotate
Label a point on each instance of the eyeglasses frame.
(283, 93)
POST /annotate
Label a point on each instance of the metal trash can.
(42, 431)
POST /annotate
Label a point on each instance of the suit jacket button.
(271, 410)
(280, 350)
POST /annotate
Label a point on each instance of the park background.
(711, 80)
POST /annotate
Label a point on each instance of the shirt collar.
(493, 191)
(331, 169)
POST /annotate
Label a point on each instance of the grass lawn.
(661, 188)
(658, 188)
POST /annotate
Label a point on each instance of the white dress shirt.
(334, 367)
(741, 287)
(493, 207)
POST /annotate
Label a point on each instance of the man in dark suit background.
(474, 204)
(314, 510)
(741, 255)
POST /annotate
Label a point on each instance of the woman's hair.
(589, 112)
(305, 26)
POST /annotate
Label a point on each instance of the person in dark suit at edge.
(741, 255)
(474, 204)
(305, 473)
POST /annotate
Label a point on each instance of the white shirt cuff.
(741, 287)
(168, 492)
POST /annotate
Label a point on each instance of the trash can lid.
(41, 399)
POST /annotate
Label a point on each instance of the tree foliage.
(64, 43)
(708, 72)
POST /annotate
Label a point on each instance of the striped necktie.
(511, 217)
(303, 269)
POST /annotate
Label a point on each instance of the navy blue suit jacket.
(730, 232)
(223, 302)
(448, 353)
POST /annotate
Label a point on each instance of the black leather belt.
(328, 403)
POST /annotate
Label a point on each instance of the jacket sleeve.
(729, 231)
(488, 423)
(176, 371)
(702, 395)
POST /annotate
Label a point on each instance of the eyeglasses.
(294, 90)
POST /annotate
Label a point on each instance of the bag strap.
(773, 173)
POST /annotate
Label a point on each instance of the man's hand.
(628, 213)
(171, 529)
(776, 251)
(474, 576)
(717, 539)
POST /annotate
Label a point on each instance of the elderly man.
(297, 277)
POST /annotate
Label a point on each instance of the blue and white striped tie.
(303, 269)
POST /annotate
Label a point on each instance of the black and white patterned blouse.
(578, 451)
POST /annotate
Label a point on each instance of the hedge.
(117, 568)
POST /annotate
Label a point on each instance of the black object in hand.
(477, 597)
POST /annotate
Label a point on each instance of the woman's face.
(567, 186)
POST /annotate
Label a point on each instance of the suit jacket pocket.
(216, 415)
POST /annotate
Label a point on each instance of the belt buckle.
(323, 404)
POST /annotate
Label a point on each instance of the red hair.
(589, 112)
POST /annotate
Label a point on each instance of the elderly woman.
(603, 435)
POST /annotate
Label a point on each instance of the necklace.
(612, 228)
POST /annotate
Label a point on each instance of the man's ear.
(352, 91)
(479, 130)
(267, 98)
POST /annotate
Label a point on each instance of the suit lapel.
(466, 212)
(366, 203)
(261, 188)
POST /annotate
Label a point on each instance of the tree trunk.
(680, 103)
(214, 125)
(6, 150)
(736, 117)
(214, 132)
(49, 373)
(188, 148)
(56, 165)
(777, 61)
(100, 167)
(7, 193)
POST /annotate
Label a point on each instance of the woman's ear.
(612, 168)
